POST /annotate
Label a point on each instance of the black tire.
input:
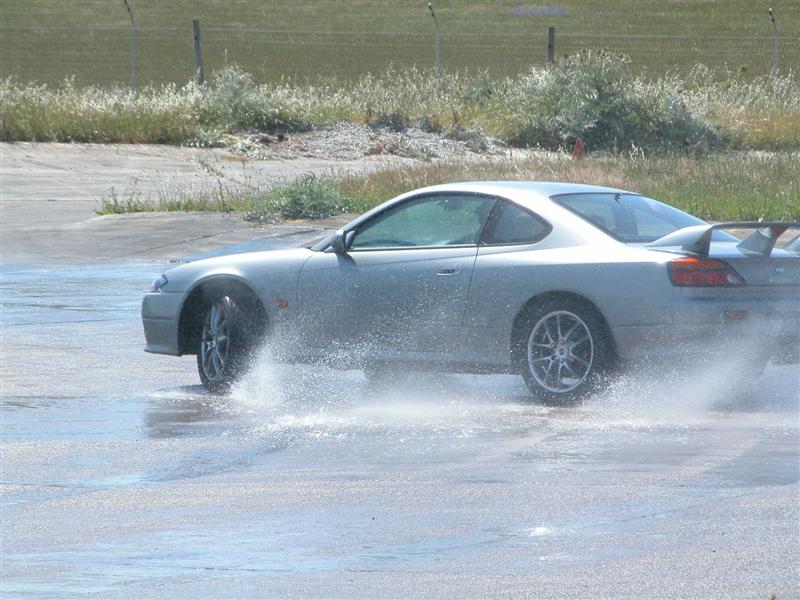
(225, 344)
(563, 351)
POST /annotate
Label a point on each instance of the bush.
(395, 121)
(480, 91)
(308, 197)
(233, 101)
(591, 96)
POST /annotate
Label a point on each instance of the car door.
(505, 274)
(404, 280)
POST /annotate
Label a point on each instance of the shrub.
(233, 101)
(480, 91)
(395, 121)
(591, 96)
(308, 197)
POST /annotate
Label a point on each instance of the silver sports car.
(560, 283)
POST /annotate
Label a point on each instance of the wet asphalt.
(121, 477)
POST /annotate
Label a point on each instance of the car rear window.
(628, 218)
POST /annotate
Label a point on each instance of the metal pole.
(436, 41)
(551, 44)
(198, 58)
(775, 45)
(133, 46)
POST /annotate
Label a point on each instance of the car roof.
(543, 188)
(533, 194)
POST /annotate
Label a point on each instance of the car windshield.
(629, 218)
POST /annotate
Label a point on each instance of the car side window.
(427, 221)
(515, 225)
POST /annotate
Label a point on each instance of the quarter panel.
(629, 287)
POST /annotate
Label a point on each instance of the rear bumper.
(766, 328)
(161, 318)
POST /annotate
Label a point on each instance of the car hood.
(246, 266)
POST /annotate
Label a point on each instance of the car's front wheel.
(564, 351)
(223, 350)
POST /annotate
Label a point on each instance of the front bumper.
(161, 319)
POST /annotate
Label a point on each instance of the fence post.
(436, 41)
(775, 45)
(551, 44)
(133, 46)
(198, 58)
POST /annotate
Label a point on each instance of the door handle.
(452, 270)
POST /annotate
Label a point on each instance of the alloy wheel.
(560, 351)
(214, 343)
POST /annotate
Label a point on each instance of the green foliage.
(480, 91)
(234, 102)
(308, 197)
(591, 96)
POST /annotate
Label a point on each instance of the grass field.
(724, 186)
(48, 40)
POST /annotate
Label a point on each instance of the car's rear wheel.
(564, 351)
(224, 347)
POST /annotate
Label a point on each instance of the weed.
(308, 197)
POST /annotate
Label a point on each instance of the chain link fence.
(91, 41)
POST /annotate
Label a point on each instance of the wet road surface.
(122, 478)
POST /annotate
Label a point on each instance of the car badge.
(779, 269)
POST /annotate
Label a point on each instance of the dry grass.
(730, 186)
(541, 108)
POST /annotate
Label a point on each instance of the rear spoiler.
(696, 240)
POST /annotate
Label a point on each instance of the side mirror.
(339, 242)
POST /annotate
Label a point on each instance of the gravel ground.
(348, 141)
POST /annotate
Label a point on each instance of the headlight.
(158, 283)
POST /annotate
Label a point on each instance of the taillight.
(702, 272)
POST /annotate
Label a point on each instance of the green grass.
(720, 187)
(46, 40)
